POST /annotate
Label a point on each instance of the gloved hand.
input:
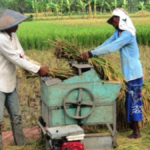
(43, 71)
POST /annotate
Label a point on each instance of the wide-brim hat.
(10, 18)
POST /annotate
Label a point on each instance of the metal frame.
(46, 111)
(47, 118)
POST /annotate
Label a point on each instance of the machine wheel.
(78, 103)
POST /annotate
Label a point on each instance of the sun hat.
(125, 22)
(10, 18)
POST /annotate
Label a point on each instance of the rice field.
(85, 32)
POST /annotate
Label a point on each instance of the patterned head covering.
(125, 22)
(10, 18)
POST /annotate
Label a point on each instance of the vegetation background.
(72, 7)
(82, 22)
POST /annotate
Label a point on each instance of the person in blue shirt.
(124, 40)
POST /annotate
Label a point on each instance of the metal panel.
(63, 131)
(44, 111)
(104, 112)
(89, 76)
(97, 141)
(103, 92)
(59, 118)
(100, 114)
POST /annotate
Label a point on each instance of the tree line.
(70, 6)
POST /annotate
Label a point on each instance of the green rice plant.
(39, 32)
(143, 34)
(88, 33)
(31, 44)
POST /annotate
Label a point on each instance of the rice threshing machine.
(68, 105)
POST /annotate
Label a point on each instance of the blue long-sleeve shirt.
(129, 53)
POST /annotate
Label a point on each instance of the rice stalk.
(105, 69)
(67, 50)
(146, 102)
(60, 70)
(55, 73)
(122, 124)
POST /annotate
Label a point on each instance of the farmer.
(124, 40)
(12, 55)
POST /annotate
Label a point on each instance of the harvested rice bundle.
(55, 73)
(67, 50)
(61, 73)
(105, 69)
(60, 70)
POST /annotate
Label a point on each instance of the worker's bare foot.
(134, 136)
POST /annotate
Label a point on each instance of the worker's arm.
(88, 54)
(125, 38)
(109, 40)
(8, 51)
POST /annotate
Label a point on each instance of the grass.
(122, 141)
(31, 145)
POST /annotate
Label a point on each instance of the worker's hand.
(85, 56)
(44, 71)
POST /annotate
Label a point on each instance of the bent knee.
(17, 120)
